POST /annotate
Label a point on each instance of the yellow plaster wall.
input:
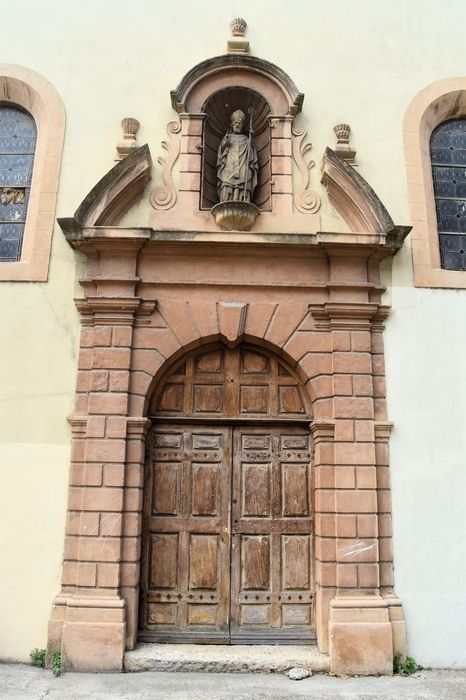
(33, 494)
(360, 63)
(38, 354)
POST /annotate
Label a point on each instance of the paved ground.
(21, 682)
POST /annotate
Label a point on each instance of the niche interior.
(218, 109)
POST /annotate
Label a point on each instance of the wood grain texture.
(185, 581)
(271, 584)
(239, 382)
(227, 541)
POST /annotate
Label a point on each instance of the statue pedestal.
(235, 216)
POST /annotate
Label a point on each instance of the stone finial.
(342, 131)
(343, 149)
(238, 29)
(238, 26)
(130, 127)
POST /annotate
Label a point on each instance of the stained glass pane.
(448, 158)
(17, 147)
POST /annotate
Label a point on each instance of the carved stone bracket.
(164, 197)
(137, 428)
(322, 431)
(231, 321)
(78, 426)
(305, 200)
(383, 429)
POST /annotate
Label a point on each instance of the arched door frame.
(255, 398)
(142, 308)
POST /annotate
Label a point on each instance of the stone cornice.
(348, 316)
(114, 194)
(89, 239)
(218, 64)
(359, 206)
(353, 197)
(113, 311)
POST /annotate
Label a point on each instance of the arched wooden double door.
(227, 541)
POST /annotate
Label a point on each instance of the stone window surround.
(24, 88)
(440, 101)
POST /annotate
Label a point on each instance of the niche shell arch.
(227, 541)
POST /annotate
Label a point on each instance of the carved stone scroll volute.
(164, 197)
(305, 200)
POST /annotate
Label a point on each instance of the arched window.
(30, 109)
(435, 150)
(448, 159)
(17, 148)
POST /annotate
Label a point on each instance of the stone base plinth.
(361, 640)
(89, 633)
(217, 658)
(397, 621)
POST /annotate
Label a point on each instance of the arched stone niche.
(205, 99)
(218, 109)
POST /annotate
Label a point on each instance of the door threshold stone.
(217, 658)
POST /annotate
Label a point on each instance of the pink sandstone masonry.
(148, 304)
(153, 296)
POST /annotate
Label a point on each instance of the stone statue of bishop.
(237, 164)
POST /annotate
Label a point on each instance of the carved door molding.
(227, 553)
(186, 538)
(271, 563)
(228, 383)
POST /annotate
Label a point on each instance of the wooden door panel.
(186, 563)
(296, 562)
(296, 615)
(204, 562)
(254, 363)
(164, 561)
(231, 382)
(205, 489)
(208, 398)
(272, 588)
(295, 490)
(255, 562)
(255, 490)
(289, 400)
(166, 488)
(254, 399)
(172, 398)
